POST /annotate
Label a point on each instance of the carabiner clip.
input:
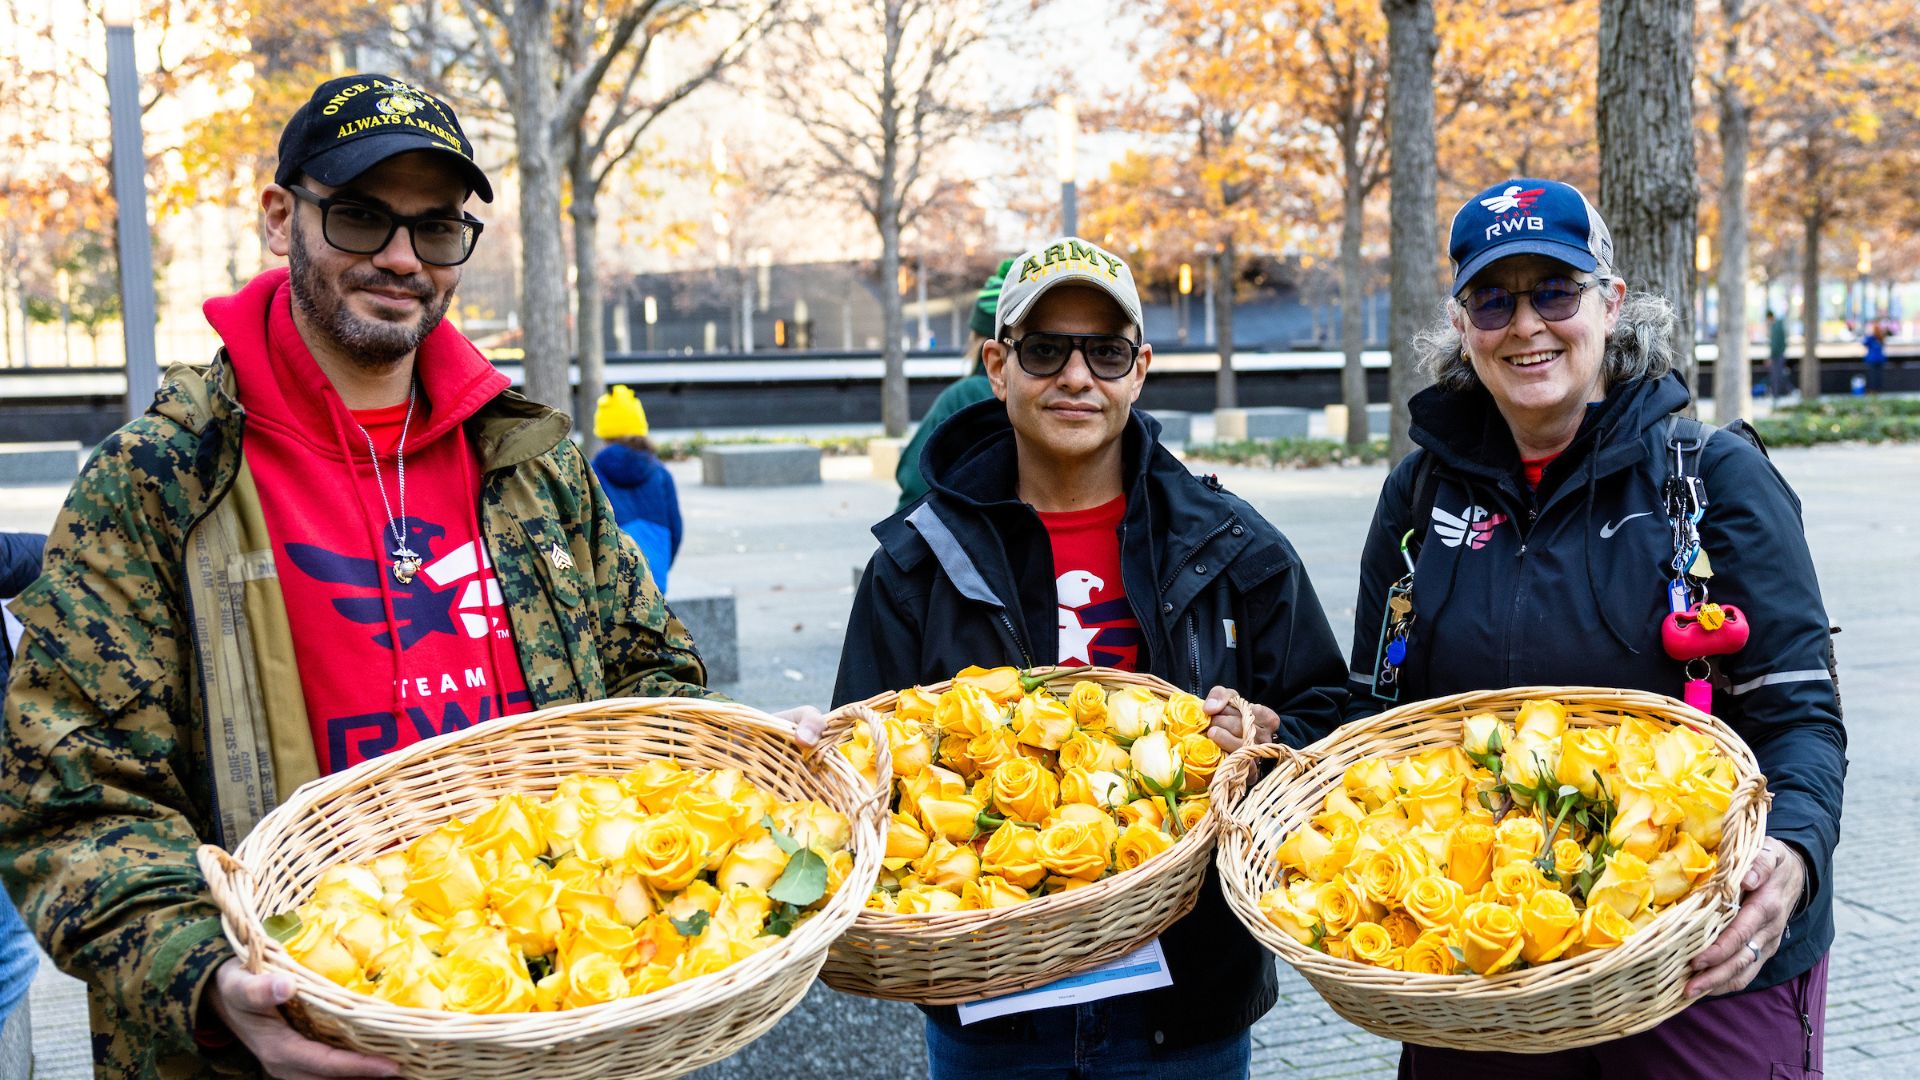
(1404, 554)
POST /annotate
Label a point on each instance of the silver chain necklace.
(406, 562)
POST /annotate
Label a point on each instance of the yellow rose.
(598, 793)
(1401, 928)
(608, 839)
(1199, 757)
(1387, 874)
(1429, 955)
(1369, 783)
(577, 903)
(1518, 838)
(1435, 902)
(1485, 733)
(1155, 762)
(666, 852)
(1002, 684)
(410, 975)
(1678, 752)
(1514, 882)
(1099, 820)
(948, 865)
(451, 886)
(1548, 926)
(485, 985)
(915, 704)
(991, 892)
(1636, 827)
(814, 824)
(926, 900)
(632, 901)
(1624, 885)
(759, 862)
(952, 819)
(509, 825)
(1192, 810)
(858, 750)
(562, 820)
(1152, 811)
(1545, 720)
(1530, 760)
(319, 948)
(1104, 789)
(1470, 855)
(1341, 905)
(1073, 849)
(1370, 942)
(1042, 722)
(655, 784)
(1490, 937)
(1024, 791)
(966, 711)
(932, 780)
(1185, 716)
(606, 937)
(883, 901)
(1601, 927)
(1430, 796)
(743, 913)
(1678, 869)
(911, 745)
(1138, 843)
(1305, 849)
(529, 904)
(349, 885)
(1586, 756)
(990, 749)
(717, 822)
(1134, 711)
(1280, 906)
(590, 980)
(1093, 752)
(1569, 858)
(906, 841)
(1088, 704)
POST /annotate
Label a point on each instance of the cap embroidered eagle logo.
(400, 103)
(1512, 199)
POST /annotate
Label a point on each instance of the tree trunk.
(895, 410)
(1647, 175)
(1415, 260)
(543, 273)
(1732, 380)
(1353, 314)
(1810, 306)
(1226, 271)
(585, 211)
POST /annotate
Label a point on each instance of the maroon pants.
(1771, 1034)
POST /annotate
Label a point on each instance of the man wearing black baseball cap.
(343, 536)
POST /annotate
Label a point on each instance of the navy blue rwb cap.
(1527, 217)
(355, 122)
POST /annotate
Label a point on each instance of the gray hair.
(1640, 346)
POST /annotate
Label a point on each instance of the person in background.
(645, 502)
(1876, 358)
(1776, 355)
(972, 387)
(19, 956)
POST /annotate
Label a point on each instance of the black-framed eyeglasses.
(1491, 307)
(359, 229)
(1043, 354)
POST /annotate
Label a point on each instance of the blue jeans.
(19, 958)
(1113, 1039)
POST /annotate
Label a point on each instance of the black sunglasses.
(1044, 355)
(1491, 307)
(359, 229)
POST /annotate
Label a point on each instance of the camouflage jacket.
(155, 705)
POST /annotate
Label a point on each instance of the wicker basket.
(952, 957)
(1589, 999)
(389, 801)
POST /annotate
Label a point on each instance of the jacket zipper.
(1193, 650)
(1194, 550)
(200, 667)
(1007, 621)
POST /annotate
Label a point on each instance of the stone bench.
(1176, 427)
(707, 611)
(759, 464)
(884, 454)
(32, 464)
(1379, 419)
(1274, 422)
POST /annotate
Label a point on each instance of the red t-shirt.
(1096, 624)
(1533, 468)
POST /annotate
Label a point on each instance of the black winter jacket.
(965, 576)
(1567, 587)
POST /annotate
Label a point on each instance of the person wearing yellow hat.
(645, 502)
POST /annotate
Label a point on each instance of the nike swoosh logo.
(1611, 527)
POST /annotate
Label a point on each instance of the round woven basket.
(959, 956)
(1589, 999)
(390, 801)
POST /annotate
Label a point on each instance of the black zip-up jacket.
(1567, 586)
(965, 576)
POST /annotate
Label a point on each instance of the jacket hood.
(624, 466)
(967, 459)
(282, 386)
(1464, 428)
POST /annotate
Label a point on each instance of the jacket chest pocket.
(559, 656)
(556, 563)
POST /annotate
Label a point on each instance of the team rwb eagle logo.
(452, 594)
(1102, 634)
(1473, 526)
(1513, 200)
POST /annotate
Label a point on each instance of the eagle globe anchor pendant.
(405, 564)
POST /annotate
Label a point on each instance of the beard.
(368, 343)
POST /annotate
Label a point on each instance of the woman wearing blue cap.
(1558, 509)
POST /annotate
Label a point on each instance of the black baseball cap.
(353, 123)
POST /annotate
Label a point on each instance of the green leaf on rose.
(787, 843)
(539, 967)
(282, 927)
(803, 882)
(781, 921)
(693, 925)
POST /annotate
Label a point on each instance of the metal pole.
(1209, 306)
(136, 243)
(920, 298)
(1069, 209)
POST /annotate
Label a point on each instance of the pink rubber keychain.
(1702, 630)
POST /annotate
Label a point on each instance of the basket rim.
(811, 937)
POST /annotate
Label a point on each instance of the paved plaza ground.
(789, 555)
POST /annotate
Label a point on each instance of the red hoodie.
(382, 664)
